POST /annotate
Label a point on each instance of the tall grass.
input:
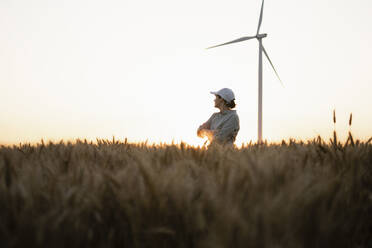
(118, 194)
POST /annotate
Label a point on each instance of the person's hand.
(199, 132)
(208, 133)
(202, 132)
(202, 129)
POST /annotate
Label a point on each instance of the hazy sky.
(139, 69)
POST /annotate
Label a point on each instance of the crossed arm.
(204, 129)
(226, 133)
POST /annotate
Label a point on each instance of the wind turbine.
(259, 37)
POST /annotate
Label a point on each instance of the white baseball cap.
(225, 93)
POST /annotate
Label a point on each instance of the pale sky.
(139, 69)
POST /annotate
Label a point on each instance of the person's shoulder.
(234, 113)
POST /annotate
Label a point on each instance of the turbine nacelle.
(260, 36)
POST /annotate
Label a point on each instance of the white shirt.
(225, 126)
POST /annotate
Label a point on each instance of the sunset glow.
(139, 70)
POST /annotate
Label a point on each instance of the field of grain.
(117, 194)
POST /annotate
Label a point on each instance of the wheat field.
(119, 194)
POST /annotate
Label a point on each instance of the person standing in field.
(222, 127)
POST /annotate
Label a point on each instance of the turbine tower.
(259, 37)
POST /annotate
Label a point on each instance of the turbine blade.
(267, 56)
(261, 15)
(234, 41)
